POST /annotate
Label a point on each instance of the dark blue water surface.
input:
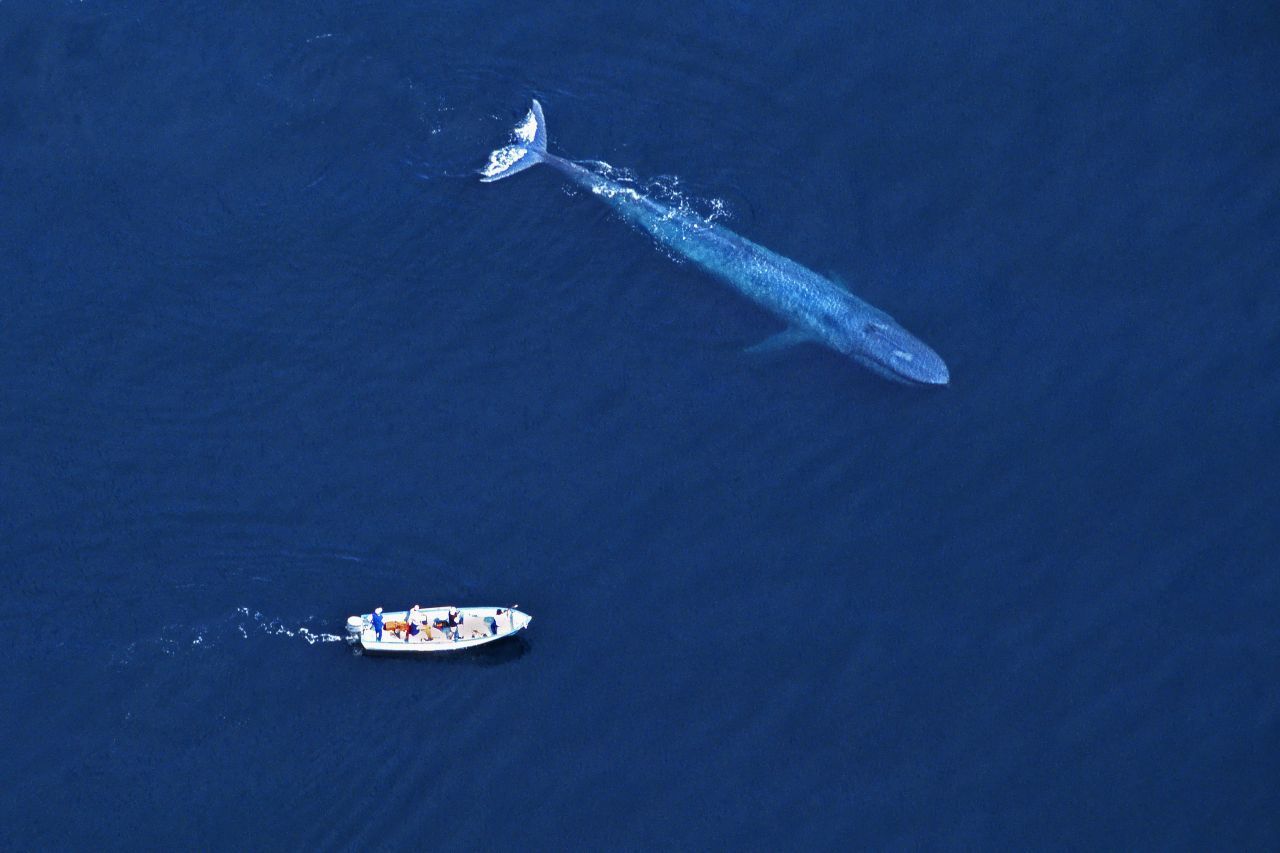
(270, 355)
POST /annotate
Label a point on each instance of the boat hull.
(480, 626)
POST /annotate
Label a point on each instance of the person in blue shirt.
(377, 622)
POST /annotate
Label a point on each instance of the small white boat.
(469, 627)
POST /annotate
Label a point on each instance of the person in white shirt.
(416, 620)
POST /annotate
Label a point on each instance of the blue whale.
(815, 309)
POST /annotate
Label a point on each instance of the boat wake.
(243, 624)
(277, 628)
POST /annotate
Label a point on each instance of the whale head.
(886, 348)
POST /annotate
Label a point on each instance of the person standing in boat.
(377, 622)
(415, 619)
(454, 620)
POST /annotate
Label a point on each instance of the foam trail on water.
(664, 189)
(277, 628)
(244, 624)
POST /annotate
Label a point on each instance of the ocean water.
(270, 355)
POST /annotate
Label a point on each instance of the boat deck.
(479, 625)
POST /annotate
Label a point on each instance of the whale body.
(814, 308)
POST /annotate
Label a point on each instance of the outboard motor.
(355, 626)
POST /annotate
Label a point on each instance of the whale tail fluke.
(528, 149)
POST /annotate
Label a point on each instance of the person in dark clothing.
(377, 622)
(455, 619)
